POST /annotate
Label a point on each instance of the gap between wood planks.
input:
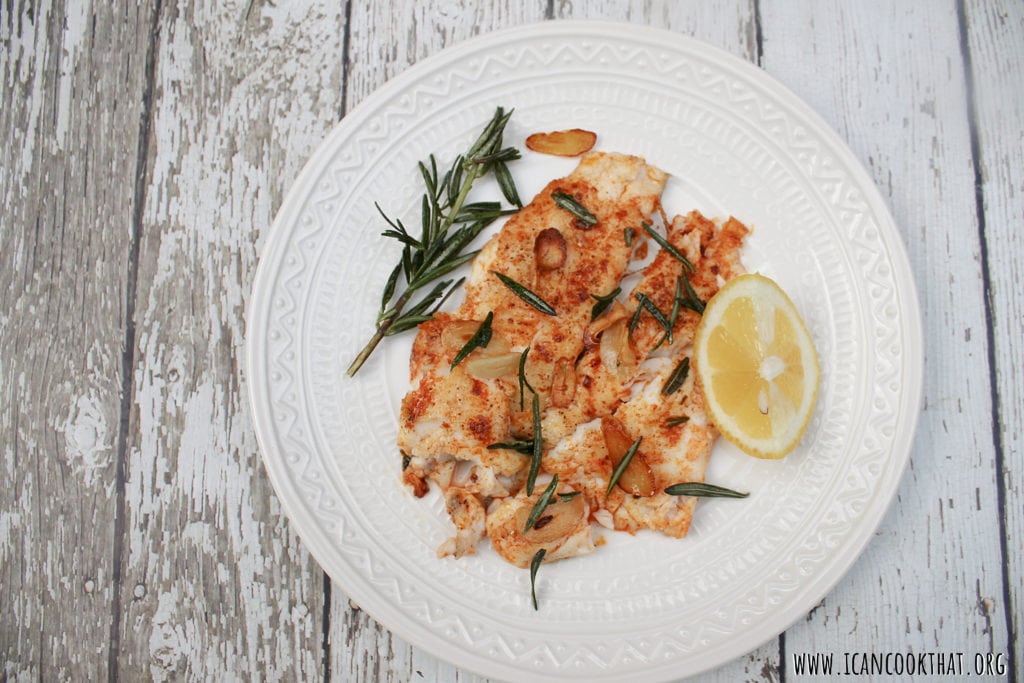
(986, 278)
(128, 353)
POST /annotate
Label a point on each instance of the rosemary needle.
(538, 447)
(525, 294)
(535, 563)
(603, 302)
(449, 224)
(667, 246)
(569, 203)
(676, 379)
(524, 447)
(523, 383)
(480, 339)
(696, 488)
(541, 504)
(621, 467)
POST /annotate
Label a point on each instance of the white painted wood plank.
(216, 584)
(727, 24)
(891, 82)
(995, 38)
(71, 94)
(387, 38)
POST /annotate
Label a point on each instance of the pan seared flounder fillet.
(714, 251)
(620, 191)
(604, 372)
(674, 453)
(450, 417)
(562, 531)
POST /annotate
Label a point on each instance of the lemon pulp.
(757, 365)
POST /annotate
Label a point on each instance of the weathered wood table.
(145, 149)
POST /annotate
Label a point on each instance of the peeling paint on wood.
(71, 92)
(133, 205)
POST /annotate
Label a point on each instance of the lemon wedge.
(757, 366)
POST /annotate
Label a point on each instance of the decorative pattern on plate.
(644, 607)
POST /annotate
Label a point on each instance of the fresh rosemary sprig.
(525, 294)
(480, 339)
(696, 488)
(603, 302)
(676, 379)
(569, 203)
(535, 563)
(623, 464)
(667, 246)
(541, 505)
(448, 226)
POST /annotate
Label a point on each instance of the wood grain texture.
(216, 583)
(995, 44)
(892, 84)
(727, 24)
(144, 149)
(72, 87)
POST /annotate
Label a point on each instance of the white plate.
(644, 607)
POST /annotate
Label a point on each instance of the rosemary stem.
(367, 350)
(382, 330)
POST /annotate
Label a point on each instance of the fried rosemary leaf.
(524, 447)
(569, 203)
(538, 447)
(628, 233)
(696, 488)
(676, 379)
(448, 226)
(523, 384)
(562, 497)
(692, 301)
(535, 563)
(603, 302)
(507, 184)
(673, 316)
(667, 246)
(623, 464)
(673, 421)
(480, 339)
(652, 308)
(541, 504)
(525, 294)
